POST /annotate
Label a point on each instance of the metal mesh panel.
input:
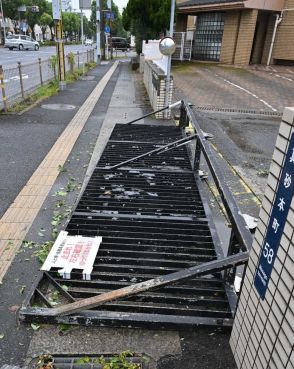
(47, 70)
(12, 85)
(31, 77)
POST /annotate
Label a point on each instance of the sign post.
(57, 16)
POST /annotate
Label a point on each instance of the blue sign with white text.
(276, 223)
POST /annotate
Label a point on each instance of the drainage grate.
(241, 111)
(153, 222)
(94, 361)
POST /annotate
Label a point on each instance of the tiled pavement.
(224, 87)
(19, 217)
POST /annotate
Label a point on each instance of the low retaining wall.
(155, 83)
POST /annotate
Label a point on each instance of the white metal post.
(98, 26)
(82, 27)
(171, 32)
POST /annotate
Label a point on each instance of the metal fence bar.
(3, 88)
(40, 69)
(20, 79)
(15, 82)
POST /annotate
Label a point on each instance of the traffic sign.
(109, 15)
(107, 29)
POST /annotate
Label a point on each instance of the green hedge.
(53, 43)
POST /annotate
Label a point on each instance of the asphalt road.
(9, 59)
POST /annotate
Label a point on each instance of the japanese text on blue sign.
(276, 223)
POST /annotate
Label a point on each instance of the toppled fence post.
(20, 79)
(3, 89)
(134, 289)
(40, 69)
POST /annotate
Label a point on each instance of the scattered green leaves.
(119, 362)
(83, 360)
(64, 327)
(60, 193)
(35, 326)
(62, 168)
(22, 289)
(43, 251)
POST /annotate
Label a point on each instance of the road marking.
(21, 214)
(246, 91)
(286, 78)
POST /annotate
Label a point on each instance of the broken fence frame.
(238, 250)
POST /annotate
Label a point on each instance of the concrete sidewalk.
(201, 348)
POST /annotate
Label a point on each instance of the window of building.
(208, 36)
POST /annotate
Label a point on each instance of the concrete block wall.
(263, 332)
(260, 36)
(230, 36)
(284, 43)
(155, 83)
(245, 36)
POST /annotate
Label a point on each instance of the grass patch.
(42, 92)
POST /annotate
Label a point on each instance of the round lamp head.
(167, 46)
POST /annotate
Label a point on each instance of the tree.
(46, 20)
(71, 24)
(33, 18)
(117, 28)
(146, 19)
(10, 8)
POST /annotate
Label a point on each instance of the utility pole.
(3, 22)
(57, 16)
(98, 30)
(82, 26)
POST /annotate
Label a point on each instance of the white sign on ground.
(73, 252)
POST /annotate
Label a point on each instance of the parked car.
(120, 43)
(21, 42)
(88, 42)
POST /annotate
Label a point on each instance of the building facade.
(239, 32)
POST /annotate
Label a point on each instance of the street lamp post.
(171, 32)
(4, 30)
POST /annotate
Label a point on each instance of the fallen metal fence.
(161, 263)
(18, 82)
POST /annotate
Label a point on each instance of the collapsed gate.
(152, 216)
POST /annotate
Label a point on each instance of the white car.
(21, 42)
(88, 42)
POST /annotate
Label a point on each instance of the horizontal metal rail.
(198, 270)
(171, 106)
(159, 150)
(239, 225)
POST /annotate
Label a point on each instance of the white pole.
(98, 41)
(278, 21)
(82, 27)
(4, 31)
(171, 32)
